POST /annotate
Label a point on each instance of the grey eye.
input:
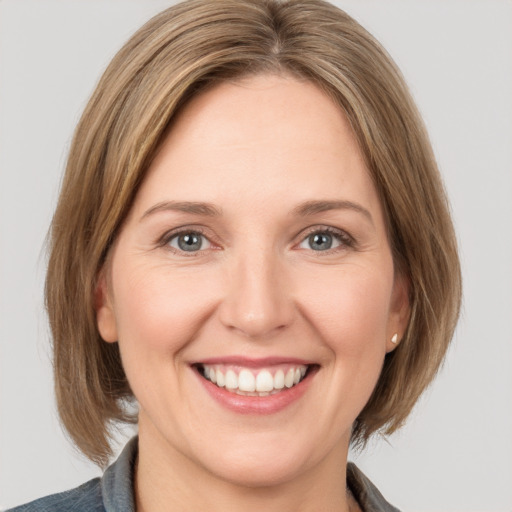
(320, 241)
(189, 242)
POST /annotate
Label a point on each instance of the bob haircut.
(175, 56)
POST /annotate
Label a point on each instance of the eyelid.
(165, 239)
(346, 240)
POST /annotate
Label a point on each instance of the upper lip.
(250, 362)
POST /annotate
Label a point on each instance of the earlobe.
(105, 317)
(400, 312)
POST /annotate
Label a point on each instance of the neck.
(167, 479)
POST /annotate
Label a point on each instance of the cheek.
(352, 311)
(350, 317)
(159, 309)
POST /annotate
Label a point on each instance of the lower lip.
(262, 405)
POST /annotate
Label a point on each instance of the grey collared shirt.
(113, 492)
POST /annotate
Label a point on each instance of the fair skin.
(287, 267)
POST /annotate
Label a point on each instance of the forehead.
(258, 139)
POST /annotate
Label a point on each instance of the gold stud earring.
(394, 338)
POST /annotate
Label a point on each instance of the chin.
(260, 464)
(273, 471)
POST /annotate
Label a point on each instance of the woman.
(252, 240)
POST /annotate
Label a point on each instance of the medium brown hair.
(173, 57)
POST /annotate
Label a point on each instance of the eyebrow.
(305, 209)
(194, 207)
(314, 207)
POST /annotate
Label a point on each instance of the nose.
(258, 302)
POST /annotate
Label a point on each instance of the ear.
(399, 313)
(105, 317)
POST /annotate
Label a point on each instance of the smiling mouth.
(255, 382)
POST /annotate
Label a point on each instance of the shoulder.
(113, 491)
(367, 495)
(86, 497)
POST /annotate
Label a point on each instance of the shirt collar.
(117, 483)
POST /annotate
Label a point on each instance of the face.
(251, 288)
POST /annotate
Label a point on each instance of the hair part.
(179, 53)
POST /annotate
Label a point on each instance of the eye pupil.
(320, 241)
(190, 242)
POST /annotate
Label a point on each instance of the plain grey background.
(455, 453)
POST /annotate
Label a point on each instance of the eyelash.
(166, 239)
(345, 240)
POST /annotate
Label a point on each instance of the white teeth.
(288, 380)
(221, 381)
(264, 381)
(231, 380)
(279, 379)
(254, 382)
(246, 381)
